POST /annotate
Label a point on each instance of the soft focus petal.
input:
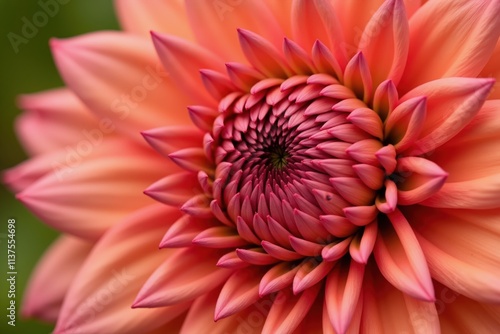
(140, 17)
(141, 97)
(451, 39)
(221, 18)
(43, 298)
(492, 70)
(56, 118)
(85, 195)
(99, 299)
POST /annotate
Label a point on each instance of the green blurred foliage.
(31, 69)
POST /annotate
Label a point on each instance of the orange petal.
(140, 17)
(400, 258)
(100, 296)
(438, 50)
(385, 42)
(134, 101)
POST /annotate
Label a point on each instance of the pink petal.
(56, 118)
(100, 296)
(310, 273)
(183, 230)
(185, 275)
(219, 237)
(140, 17)
(277, 278)
(183, 60)
(263, 55)
(174, 189)
(419, 179)
(288, 310)
(239, 291)
(405, 123)
(223, 18)
(169, 139)
(451, 104)
(362, 245)
(385, 98)
(492, 70)
(342, 290)
(401, 260)
(438, 50)
(85, 195)
(135, 101)
(385, 42)
(200, 317)
(358, 77)
(43, 299)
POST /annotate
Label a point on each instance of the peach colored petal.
(183, 60)
(289, 310)
(222, 18)
(175, 189)
(85, 195)
(282, 10)
(42, 298)
(185, 275)
(136, 100)
(200, 318)
(183, 230)
(478, 145)
(400, 258)
(342, 290)
(56, 118)
(451, 104)
(492, 70)
(388, 310)
(103, 291)
(461, 249)
(140, 17)
(239, 291)
(385, 42)
(462, 315)
(451, 39)
(314, 20)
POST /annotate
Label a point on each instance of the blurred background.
(28, 70)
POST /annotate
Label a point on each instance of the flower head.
(318, 134)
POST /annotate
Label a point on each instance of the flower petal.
(385, 42)
(461, 249)
(400, 258)
(289, 310)
(85, 195)
(388, 310)
(451, 104)
(134, 101)
(342, 290)
(185, 275)
(239, 291)
(140, 17)
(56, 118)
(183, 60)
(223, 18)
(99, 298)
(42, 298)
(438, 49)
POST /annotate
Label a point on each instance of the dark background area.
(29, 70)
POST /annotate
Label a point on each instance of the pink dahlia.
(295, 140)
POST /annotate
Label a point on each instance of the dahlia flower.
(322, 166)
